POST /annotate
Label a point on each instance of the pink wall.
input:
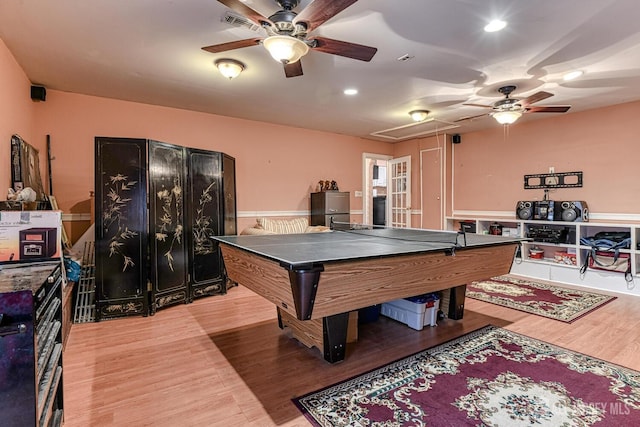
(277, 166)
(16, 114)
(489, 166)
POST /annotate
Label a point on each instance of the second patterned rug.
(542, 299)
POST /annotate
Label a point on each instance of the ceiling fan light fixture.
(507, 117)
(285, 49)
(230, 68)
(419, 115)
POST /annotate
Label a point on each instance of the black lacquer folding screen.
(155, 249)
(121, 228)
(168, 267)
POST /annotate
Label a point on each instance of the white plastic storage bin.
(415, 312)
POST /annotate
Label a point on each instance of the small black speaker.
(456, 139)
(572, 211)
(38, 93)
(524, 210)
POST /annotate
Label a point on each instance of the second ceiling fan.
(287, 33)
(507, 110)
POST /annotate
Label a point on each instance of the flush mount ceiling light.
(230, 68)
(350, 91)
(285, 49)
(495, 25)
(419, 115)
(507, 117)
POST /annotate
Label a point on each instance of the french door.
(399, 192)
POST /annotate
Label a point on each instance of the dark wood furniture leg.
(334, 331)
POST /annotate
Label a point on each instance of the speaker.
(38, 93)
(456, 139)
(543, 210)
(572, 211)
(524, 210)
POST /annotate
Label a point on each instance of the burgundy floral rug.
(564, 304)
(490, 377)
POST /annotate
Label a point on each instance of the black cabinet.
(31, 345)
(157, 207)
(331, 209)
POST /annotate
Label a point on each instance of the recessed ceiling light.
(351, 91)
(572, 75)
(495, 25)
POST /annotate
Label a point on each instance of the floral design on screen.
(202, 244)
(169, 224)
(115, 211)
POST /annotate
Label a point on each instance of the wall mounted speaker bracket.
(553, 180)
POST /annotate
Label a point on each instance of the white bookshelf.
(550, 268)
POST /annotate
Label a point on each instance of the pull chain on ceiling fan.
(287, 33)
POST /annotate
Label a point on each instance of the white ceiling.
(149, 51)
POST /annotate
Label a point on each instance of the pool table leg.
(334, 331)
(456, 302)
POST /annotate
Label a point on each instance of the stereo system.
(548, 210)
(546, 234)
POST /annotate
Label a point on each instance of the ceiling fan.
(508, 110)
(287, 33)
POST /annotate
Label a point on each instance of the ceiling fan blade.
(471, 117)
(346, 49)
(536, 97)
(320, 11)
(293, 69)
(223, 47)
(550, 109)
(246, 11)
(478, 105)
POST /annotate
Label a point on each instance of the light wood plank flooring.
(223, 361)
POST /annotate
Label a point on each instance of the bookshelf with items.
(555, 252)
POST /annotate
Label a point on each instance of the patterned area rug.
(490, 377)
(564, 304)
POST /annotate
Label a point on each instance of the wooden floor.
(223, 361)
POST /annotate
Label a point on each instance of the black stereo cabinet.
(31, 345)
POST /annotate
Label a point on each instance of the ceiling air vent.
(239, 21)
(414, 130)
